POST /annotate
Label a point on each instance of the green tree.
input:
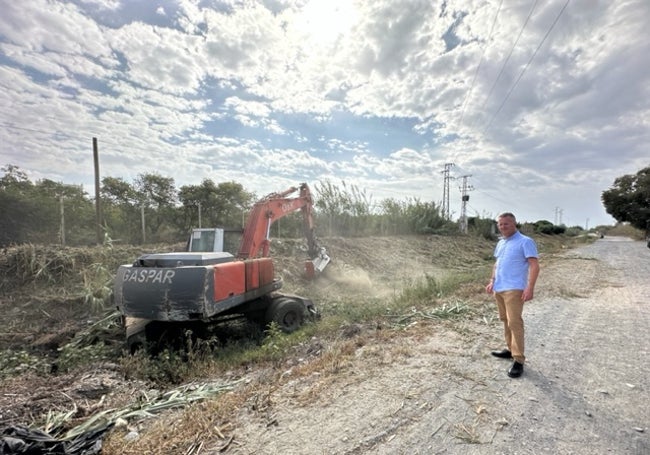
(32, 212)
(222, 205)
(117, 191)
(157, 197)
(546, 227)
(628, 200)
(14, 178)
(17, 221)
(232, 202)
(151, 197)
(56, 202)
(120, 210)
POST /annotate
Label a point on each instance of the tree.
(115, 190)
(221, 205)
(124, 204)
(628, 200)
(157, 197)
(14, 179)
(17, 213)
(32, 211)
(546, 227)
(120, 209)
(78, 212)
(232, 201)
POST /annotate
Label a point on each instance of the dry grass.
(180, 431)
(398, 291)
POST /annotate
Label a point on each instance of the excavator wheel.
(288, 313)
(135, 333)
(155, 336)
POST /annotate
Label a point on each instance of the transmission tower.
(464, 189)
(445, 190)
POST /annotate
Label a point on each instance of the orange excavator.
(162, 295)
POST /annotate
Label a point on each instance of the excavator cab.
(214, 240)
(205, 240)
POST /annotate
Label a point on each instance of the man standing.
(513, 282)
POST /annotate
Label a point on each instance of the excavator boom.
(255, 240)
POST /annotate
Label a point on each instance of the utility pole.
(98, 205)
(62, 212)
(464, 189)
(142, 222)
(445, 190)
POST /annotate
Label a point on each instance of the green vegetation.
(152, 210)
(628, 200)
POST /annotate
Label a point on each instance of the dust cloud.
(348, 280)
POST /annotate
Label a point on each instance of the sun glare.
(323, 21)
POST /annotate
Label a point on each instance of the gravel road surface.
(585, 390)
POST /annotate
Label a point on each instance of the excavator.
(164, 294)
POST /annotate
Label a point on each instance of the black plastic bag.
(20, 440)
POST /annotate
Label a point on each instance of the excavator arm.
(255, 240)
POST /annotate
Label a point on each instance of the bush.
(548, 228)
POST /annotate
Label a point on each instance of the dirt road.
(586, 388)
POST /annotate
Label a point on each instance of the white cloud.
(310, 85)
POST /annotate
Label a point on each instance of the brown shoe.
(516, 370)
(503, 354)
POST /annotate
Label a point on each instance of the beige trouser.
(511, 306)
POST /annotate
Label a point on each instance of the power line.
(32, 130)
(527, 65)
(505, 62)
(494, 197)
(462, 113)
(61, 133)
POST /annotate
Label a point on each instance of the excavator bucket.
(317, 265)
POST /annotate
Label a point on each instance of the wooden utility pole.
(142, 222)
(98, 206)
(61, 209)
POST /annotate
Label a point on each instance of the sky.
(537, 106)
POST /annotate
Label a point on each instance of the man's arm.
(490, 286)
(533, 273)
